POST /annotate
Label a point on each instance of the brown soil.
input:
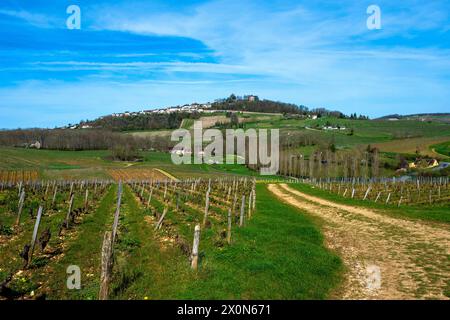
(385, 257)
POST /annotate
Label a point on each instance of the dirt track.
(385, 257)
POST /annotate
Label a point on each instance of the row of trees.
(151, 121)
(326, 163)
(86, 139)
(268, 106)
(264, 106)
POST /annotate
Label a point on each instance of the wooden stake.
(21, 201)
(107, 254)
(54, 195)
(158, 225)
(70, 210)
(206, 208)
(86, 198)
(250, 204)
(165, 190)
(229, 227)
(150, 197)
(194, 256)
(71, 189)
(378, 196)
(367, 193)
(116, 215)
(35, 232)
(241, 220)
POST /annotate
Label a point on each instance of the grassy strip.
(84, 252)
(437, 213)
(278, 255)
(442, 148)
(143, 269)
(15, 240)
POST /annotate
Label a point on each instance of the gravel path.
(385, 257)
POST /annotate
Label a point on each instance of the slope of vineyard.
(151, 261)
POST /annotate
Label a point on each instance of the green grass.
(143, 270)
(279, 254)
(76, 250)
(187, 123)
(21, 158)
(442, 148)
(95, 164)
(365, 131)
(85, 252)
(436, 213)
(68, 165)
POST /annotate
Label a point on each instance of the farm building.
(423, 164)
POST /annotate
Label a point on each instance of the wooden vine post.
(70, 210)
(21, 201)
(206, 208)
(35, 232)
(194, 256)
(250, 204)
(160, 221)
(108, 251)
(117, 213)
(71, 189)
(241, 220)
(20, 188)
(229, 227)
(378, 196)
(254, 198)
(86, 199)
(54, 195)
(150, 197)
(367, 193)
(105, 277)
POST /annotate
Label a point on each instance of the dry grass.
(411, 145)
(136, 174)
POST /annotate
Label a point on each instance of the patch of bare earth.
(385, 257)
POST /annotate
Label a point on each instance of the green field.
(95, 164)
(442, 148)
(283, 252)
(254, 267)
(259, 264)
(436, 213)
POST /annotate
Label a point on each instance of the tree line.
(234, 103)
(150, 121)
(85, 139)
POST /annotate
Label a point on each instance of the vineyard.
(46, 226)
(136, 174)
(419, 191)
(16, 176)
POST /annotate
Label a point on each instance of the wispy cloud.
(35, 19)
(316, 53)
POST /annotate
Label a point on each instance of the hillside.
(441, 117)
(172, 117)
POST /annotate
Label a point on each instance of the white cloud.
(293, 43)
(304, 54)
(35, 19)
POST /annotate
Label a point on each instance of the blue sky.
(135, 54)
